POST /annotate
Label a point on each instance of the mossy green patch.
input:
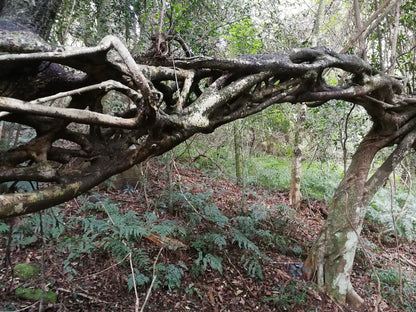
(36, 294)
(26, 270)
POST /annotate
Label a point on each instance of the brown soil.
(101, 281)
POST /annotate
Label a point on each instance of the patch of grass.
(36, 294)
(269, 171)
(319, 180)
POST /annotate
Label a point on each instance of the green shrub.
(289, 297)
(379, 211)
(390, 290)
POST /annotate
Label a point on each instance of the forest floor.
(101, 281)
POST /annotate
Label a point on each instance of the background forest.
(224, 221)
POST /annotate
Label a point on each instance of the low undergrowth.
(218, 247)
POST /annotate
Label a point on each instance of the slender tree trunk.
(358, 26)
(238, 155)
(318, 21)
(332, 255)
(170, 181)
(380, 42)
(295, 196)
(395, 34)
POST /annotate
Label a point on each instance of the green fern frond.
(139, 278)
(173, 276)
(244, 242)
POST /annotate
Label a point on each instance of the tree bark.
(393, 56)
(169, 101)
(330, 260)
(238, 155)
(332, 255)
(34, 16)
(295, 195)
(358, 26)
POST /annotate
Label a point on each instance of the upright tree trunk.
(318, 21)
(393, 56)
(238, 154)
(358, 26)
(332, 255)
(169, 160)
(295, 196)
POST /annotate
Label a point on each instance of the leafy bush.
(289, 297)
(390, 281)
(27, 231)
(379, 211)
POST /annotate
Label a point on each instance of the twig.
(82, 295)
(42, 267)
(105, 85)
(102, 271)
(71, 15)
(209, 158)
(137, 303)
(144, 182)
(153, 280)
(407, 261)
(23, 309)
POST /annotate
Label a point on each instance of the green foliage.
(174, 274)
(243, 242)
(325, 127)
(390, 281)
(239, 231)
(320, 181)
(404, 211)
(206, 241)
(268, 171)
(4, 228)
(253, 266)
(203, 260)
(36, 294)
(243, 38)
(199, 206)
(140, 279)
(27, 232)
(289, 297)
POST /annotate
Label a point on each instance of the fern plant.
(216, 230)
